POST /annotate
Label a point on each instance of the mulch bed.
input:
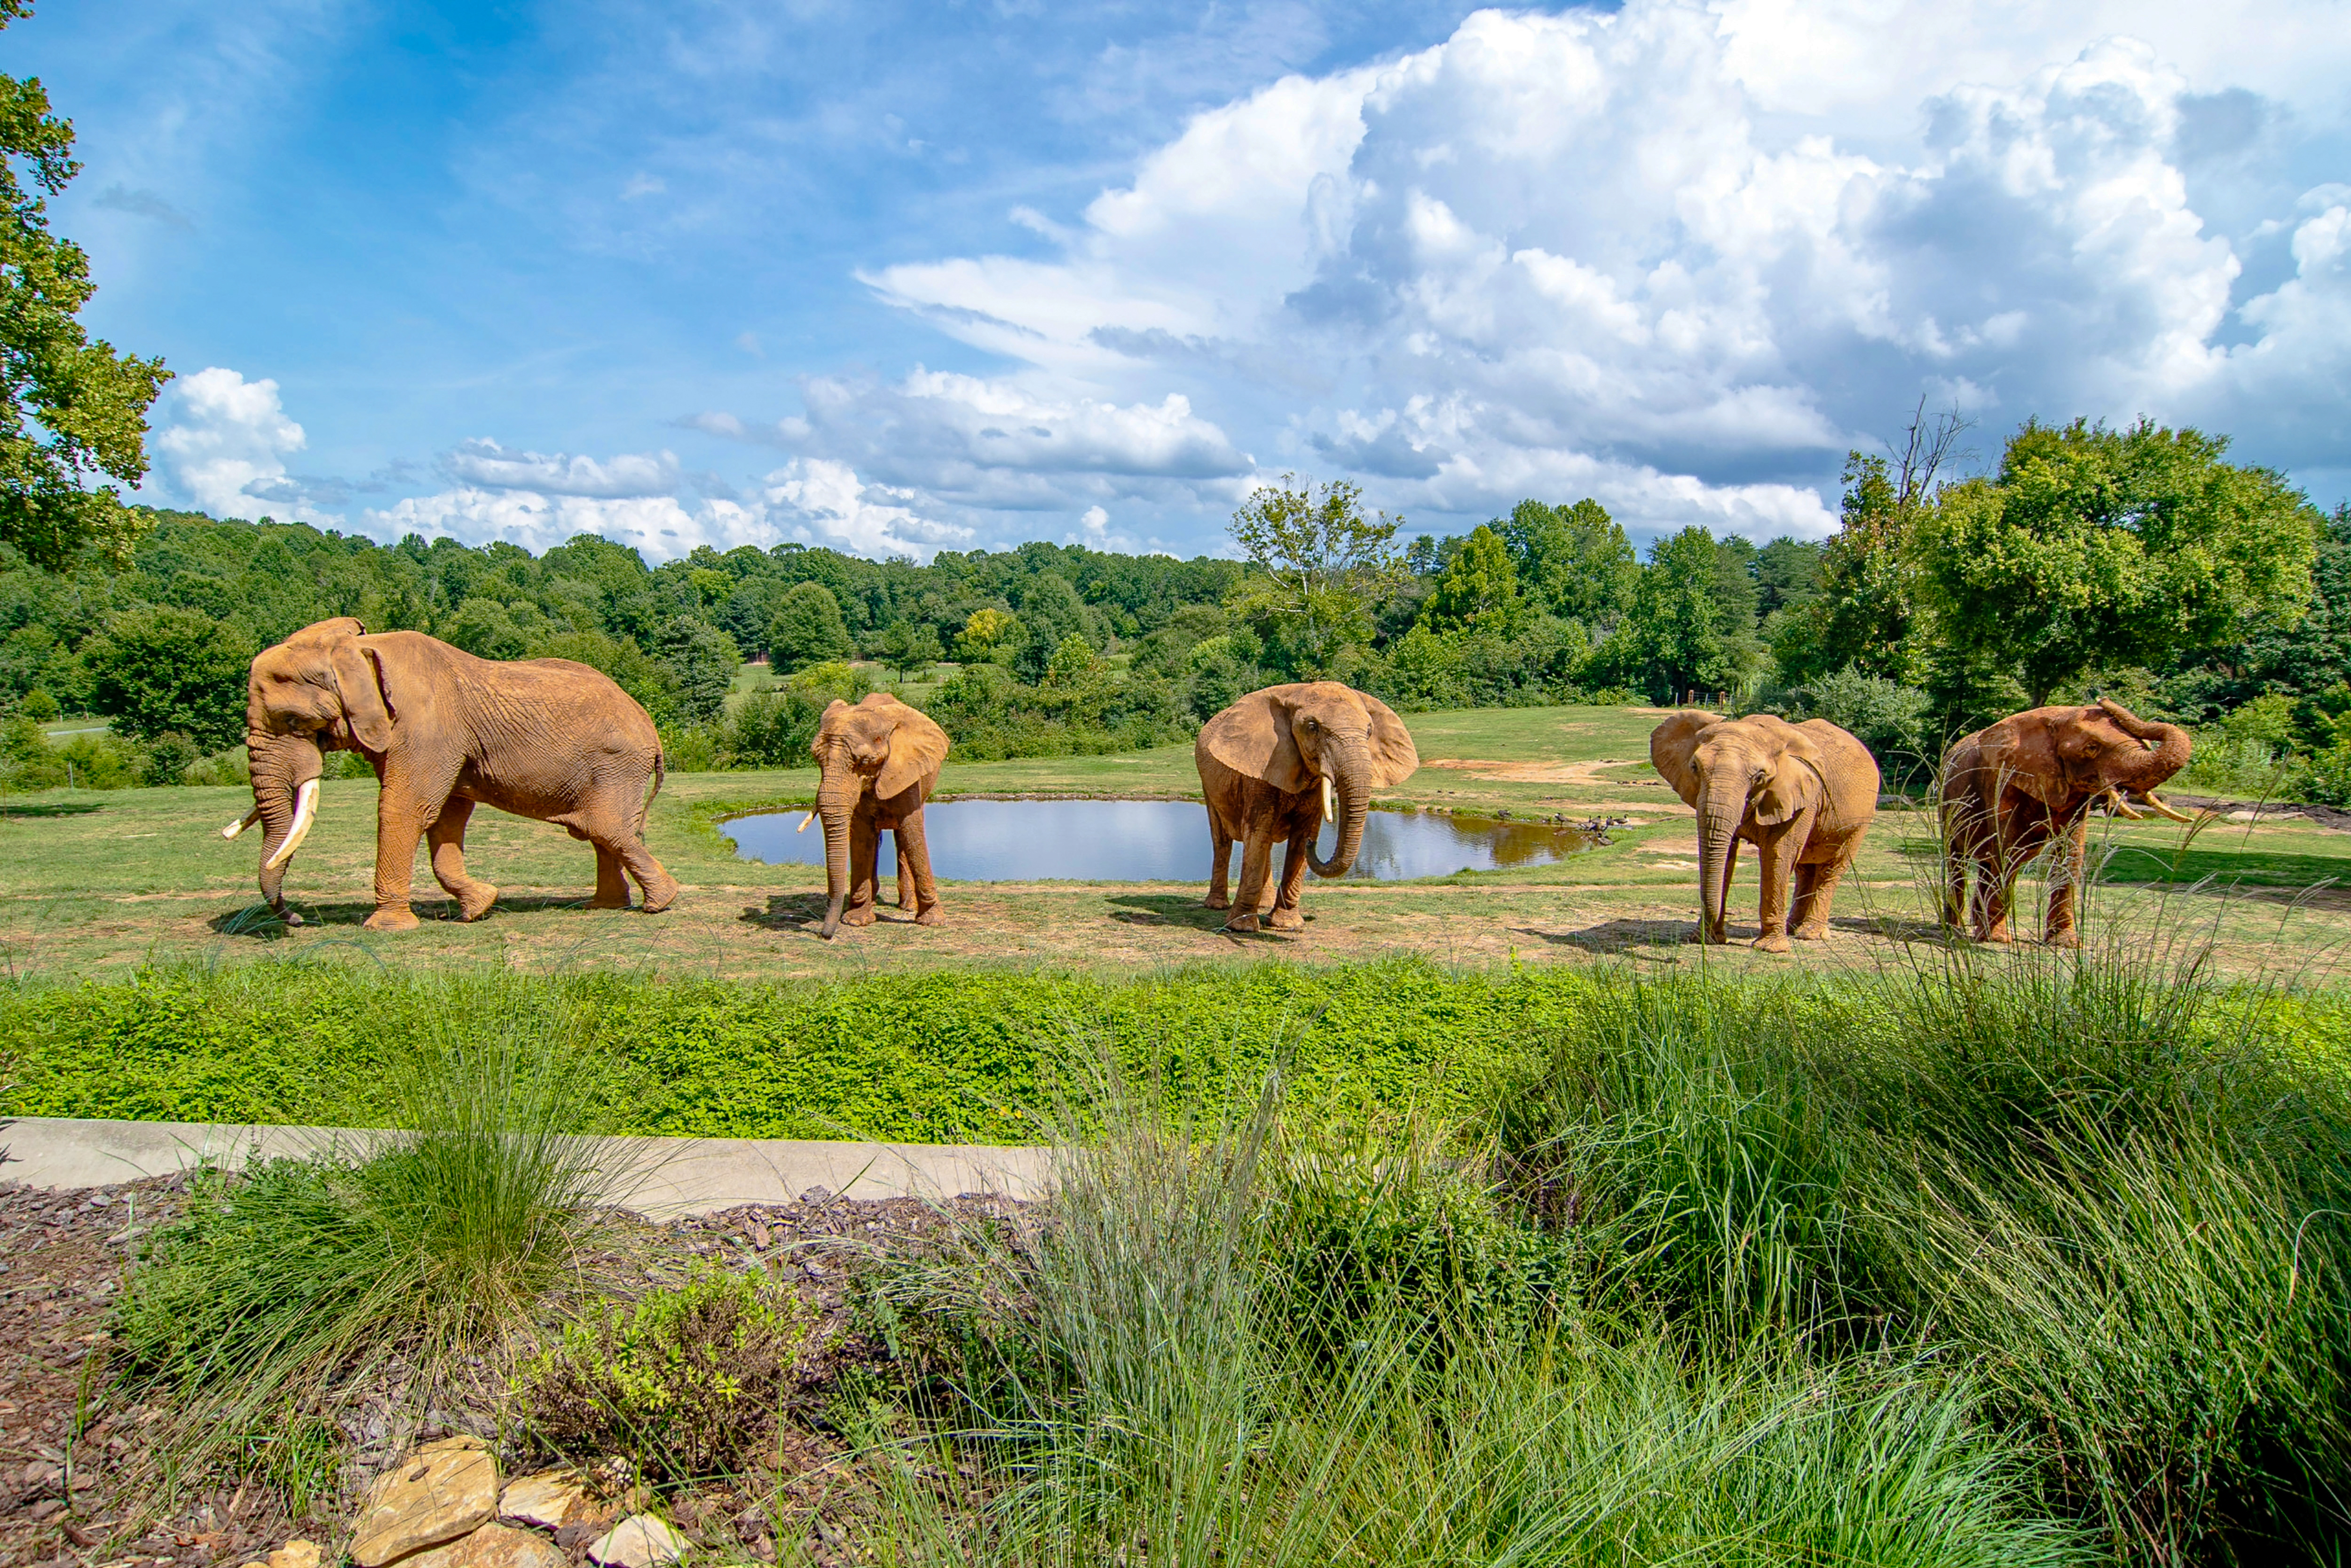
(70, 1448)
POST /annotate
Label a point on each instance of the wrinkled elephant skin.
(879, 762)
(445, 731)
(2013, 788)
(1802, 794)
(1273, 767)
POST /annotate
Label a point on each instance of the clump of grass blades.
(1171, 1384)
(2090, 1178)
(300, 1284)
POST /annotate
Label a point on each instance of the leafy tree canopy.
(806, 629)
(1573, 562)
(1318, 568)
(157, 671)
(77, 411)
(1480, 589)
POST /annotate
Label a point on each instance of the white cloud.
(223, 444)
(484, 463)
(660, 528)
(825, 503)
(1683, 255)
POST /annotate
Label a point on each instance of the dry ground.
(96, 885)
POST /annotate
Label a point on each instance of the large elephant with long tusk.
(2011, 788)
(878, 761)
(445, 731)
(1274, 767)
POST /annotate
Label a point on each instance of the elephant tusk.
(242, 823)
(1330, 804)
(804, 823)
(2123, 807)
(2172, 812)
(306, 811)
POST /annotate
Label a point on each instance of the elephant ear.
(1794, 782)
(1672, 745)
(1395, 758)
(359, 680)
(916, 747)
(1252, 737)
(2027, 759)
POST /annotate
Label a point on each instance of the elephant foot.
(1773, 942)
(290, 916)
(859, 916)
(660, 895)
(930, 916)
(1243, 921)
(401, 919)
(1216, 900)
(475, 902)
(2065, 939)
(1703, 937)
(1996, 937)
(610, 901)
(1286, 920)
(1811, 931)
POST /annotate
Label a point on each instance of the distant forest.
(2134, 562)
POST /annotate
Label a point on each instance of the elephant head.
(322, 689)
(879, 746)
(1729, 770)
(1292, 735)
(2065, 757)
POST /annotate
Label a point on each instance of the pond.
(1155, 841)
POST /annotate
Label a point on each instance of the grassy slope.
(100, 883)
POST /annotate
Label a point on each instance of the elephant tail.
(660, 771)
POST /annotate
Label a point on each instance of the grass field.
(94, 885)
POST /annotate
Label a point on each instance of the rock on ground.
(549, 1499)
(439, 1492)
(640, 1541)
(493, 1546)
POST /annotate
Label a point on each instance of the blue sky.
(898, 277)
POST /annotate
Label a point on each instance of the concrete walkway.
(652, 1176)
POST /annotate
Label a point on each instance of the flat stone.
(492, 1546)
(438, 1493)
(549, 1499)
(640, 1541)
(295, 1553)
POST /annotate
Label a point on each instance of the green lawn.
(100, 883)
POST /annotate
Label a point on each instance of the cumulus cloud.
(822, 502)
(484, 463)
(1681, 255)
(222, 444)
(660, 528)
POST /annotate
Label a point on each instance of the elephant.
(2012, 788)
(445, 731)
(1274, 767)
(880, 761)
(1802, 794)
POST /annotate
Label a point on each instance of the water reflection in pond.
(1155, 840)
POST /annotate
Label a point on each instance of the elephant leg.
(2066, 870)
(398, 825)
(1995, 887)
(1257, 861)
(1286, 915)
(864, 844)
(1777, 854)
(917, 889)
(612, 883)
(1220, 856)
(447, 839)
(1815, 886)
(907, 899)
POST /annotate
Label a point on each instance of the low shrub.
(685, 1382)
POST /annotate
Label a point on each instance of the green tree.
(1573, 562)
(1672, 641)
(1318, 570)
(2093, 546)
(1052, 612)
(156, 671)
(806, 629)
(77, 411)
(1074, 663)
(1787, 574)
(483, 628)
(989, 637)
(701, 661)
(1480, 590)
(908, 647)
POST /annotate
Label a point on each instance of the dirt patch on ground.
(1528, 772)
(74, 1464)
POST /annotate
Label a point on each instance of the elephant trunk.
(1721, 802)
(286, 770)
(2172, 745)
(836, 797)
(1347, 769)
